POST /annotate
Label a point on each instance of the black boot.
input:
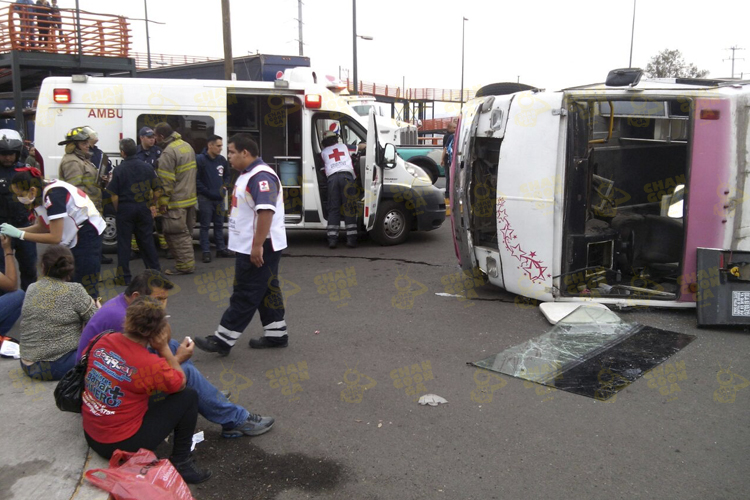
(191, 473)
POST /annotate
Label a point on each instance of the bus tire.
(503, 88)
(392, 224)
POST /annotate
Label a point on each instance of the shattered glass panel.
(591, 352)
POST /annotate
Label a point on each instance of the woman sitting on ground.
(11, 297)
(53, 315)
(121, 376)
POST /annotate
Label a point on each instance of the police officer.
(134, 186)
(148, 151)
(342, 190)
(11, 211)
(257, 234)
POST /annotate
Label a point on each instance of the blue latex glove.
(10, 231)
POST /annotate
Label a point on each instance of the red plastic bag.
(140, 476)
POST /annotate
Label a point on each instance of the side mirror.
(389, 155)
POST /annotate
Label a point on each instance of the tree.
(670, 64)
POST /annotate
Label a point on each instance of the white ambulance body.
(286, 118)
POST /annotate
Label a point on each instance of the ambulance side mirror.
(389, 156)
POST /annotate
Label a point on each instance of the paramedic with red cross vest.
(257, 236)
(342, 190)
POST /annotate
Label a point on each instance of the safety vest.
(80, 210)
(243, 218)
(336, 159)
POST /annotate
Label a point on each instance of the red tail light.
(61, 96)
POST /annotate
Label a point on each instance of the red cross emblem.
(336, 155)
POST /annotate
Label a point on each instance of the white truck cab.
(287, 119)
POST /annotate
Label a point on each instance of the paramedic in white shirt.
(257, 235)
(65, 216)
(343, 192)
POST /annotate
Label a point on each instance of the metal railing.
(437, 124)
(423, 94)
(160, 60)
(35, 28)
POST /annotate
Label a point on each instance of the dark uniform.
(133, 182)
(150, 156)
(16, 214)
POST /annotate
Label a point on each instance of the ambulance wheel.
(109, 236)
(392, 224)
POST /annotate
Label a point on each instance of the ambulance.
(287, 118)
(630, 193)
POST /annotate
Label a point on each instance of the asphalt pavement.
(369, 334)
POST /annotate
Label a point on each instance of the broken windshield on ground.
(591, 352)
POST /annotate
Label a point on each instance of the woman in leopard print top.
(53, 315)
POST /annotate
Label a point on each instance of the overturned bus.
(629, 193)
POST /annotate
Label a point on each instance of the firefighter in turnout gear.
(177, 172)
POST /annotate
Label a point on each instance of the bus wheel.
(109, 236)
(392, 224)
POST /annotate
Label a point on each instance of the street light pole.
(632, 36)
(148, 40)
(463, 30)
(354, 45)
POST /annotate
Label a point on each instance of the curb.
(85, 490)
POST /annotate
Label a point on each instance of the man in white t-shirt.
(342, 190)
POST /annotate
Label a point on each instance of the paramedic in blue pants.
(257, 235)
(342, 191)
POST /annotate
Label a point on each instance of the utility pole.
(148, 39)
(734, 48)
(228, 61)
(299, 21)
(632, 36)
(354, 47)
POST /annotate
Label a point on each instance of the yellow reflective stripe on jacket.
(189, 202)
(179, 169)
(166, 174)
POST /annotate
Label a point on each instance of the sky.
(546, 43)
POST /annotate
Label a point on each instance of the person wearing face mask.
(13, 212)
(64, 215)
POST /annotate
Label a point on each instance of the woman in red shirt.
(122, 375)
